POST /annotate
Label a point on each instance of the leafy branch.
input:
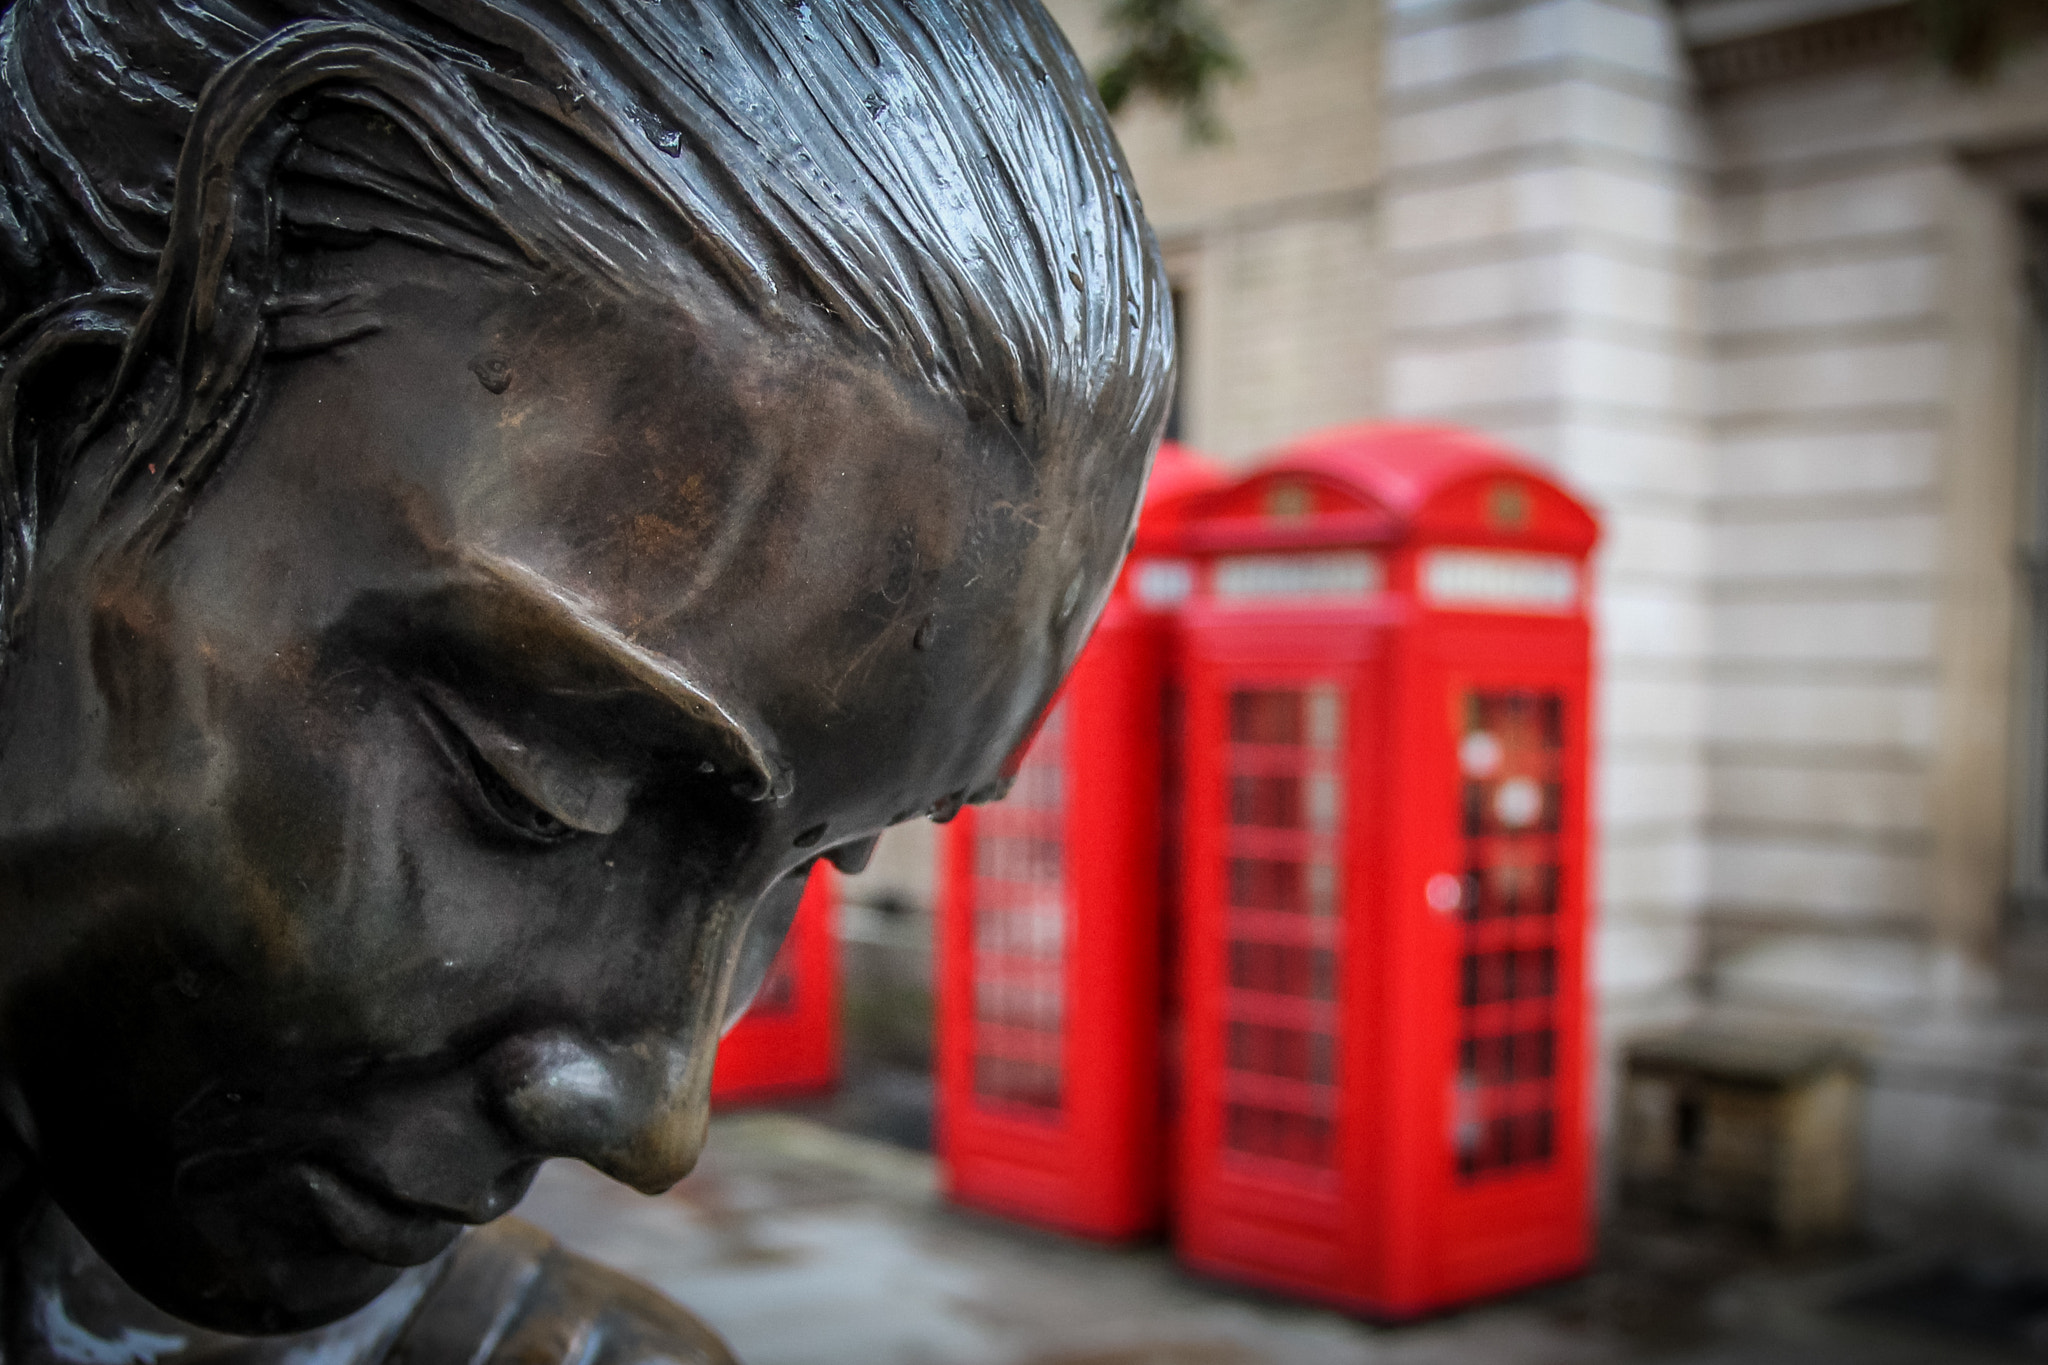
(1177, 52)
(1173, 51)
(1968, 37)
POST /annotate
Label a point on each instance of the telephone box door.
(1049, 1032)
(1488, 1030)
(1054, 912)
(1279, 761)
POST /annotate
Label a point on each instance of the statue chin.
(199, 1294)
(274, 1299)
(506, 1290)
(224, 1275)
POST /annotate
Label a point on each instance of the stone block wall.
(1866, 336)
(1544, 258)
(1869, 415)
(1272, 234)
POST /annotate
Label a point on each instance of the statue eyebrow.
(567, 646)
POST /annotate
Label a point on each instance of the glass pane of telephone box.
(1511, 762)
(1020, 931)
(1285, 806)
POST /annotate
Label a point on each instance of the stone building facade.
(1272, 236)
(1873, 736)
(1752, 275)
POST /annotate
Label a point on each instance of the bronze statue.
(492, 491)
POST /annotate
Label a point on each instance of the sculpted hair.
(932, 181)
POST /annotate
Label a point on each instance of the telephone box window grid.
(1020, 931)
(1511, 756)
(1285, 774)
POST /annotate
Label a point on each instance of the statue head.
(492, 492)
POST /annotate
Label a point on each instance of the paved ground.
(808, 1246)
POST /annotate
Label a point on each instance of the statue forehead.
(679, 473)
(871, 603)
(819, 555)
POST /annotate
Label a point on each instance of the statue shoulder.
(512, 1296)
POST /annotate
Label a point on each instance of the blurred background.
(1760, 282)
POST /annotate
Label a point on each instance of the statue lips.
(377, 1224)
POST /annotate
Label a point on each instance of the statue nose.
(636, 1110)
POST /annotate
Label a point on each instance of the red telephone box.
(1385, 1010)
(787, 1043)
(1050, 950)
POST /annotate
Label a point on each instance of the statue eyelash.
(489, 795)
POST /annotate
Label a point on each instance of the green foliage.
(1963, 34)
(1173, 51)
(1969, 37)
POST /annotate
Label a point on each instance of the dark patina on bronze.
(491, 491)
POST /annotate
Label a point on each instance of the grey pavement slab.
(807, 1246)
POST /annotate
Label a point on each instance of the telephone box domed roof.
(1179, 475)
(1388, 482)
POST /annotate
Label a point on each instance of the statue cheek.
(136, 674)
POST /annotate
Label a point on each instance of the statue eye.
(512, 809)
(490, 795)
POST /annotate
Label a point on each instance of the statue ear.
(205, 320)
(53, 384)
(213, 312)
(300, 323)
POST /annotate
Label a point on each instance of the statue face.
(398, 824)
